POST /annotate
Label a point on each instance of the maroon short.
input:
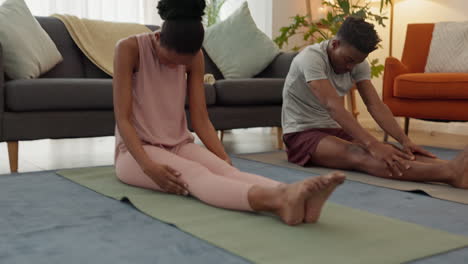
(300, 145)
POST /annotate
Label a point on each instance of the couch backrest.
(417, 44)
(279, 67)
(72, 65)
(76, 64)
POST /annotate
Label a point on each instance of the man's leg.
(336, 153)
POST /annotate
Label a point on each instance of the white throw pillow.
(449, 48)
(28, 50)
(237, 47)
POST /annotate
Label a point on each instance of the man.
(319, 130)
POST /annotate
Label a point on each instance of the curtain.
(137, 11)
(140, 11)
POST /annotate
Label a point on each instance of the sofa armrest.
(393, 68)
(279, 67)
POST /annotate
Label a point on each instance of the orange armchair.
(411, 93)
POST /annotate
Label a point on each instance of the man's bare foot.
(315, 203)
(460, 165)
(295, 196)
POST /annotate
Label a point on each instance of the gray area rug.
(48, 219)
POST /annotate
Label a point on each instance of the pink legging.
(209, 178)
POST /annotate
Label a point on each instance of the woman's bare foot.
(460, 165)
(316, 201)
(294, 197)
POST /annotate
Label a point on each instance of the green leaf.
(344, 5)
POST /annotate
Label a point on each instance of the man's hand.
(394, 158)
(410, 148)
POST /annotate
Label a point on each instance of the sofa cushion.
(28, 50)
(237, 47)
(58, 94)
(66, 94)
(432, 86)
(211, 68)
(279, 67)
(210, 95)
(249, 91)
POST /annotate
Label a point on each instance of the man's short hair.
(359, 34)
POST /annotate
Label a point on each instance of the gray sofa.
(74, 99)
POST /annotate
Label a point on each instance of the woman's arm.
(126, 60)
(201, 123)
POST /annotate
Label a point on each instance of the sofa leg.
(221, 135)
(406, 125)
(279, 137)
(13, 155)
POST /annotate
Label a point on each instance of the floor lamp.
(390, 44)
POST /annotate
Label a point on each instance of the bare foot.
(295, 196)
(460, 165)
(291, 201)
(315, 203)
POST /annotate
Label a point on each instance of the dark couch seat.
(254, 91)
(51, 94)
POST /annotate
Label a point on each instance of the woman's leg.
(218, 166)
(203, 184)
(286, 200)
(313, 205)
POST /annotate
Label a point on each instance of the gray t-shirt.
(301, 109)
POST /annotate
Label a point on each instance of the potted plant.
(213, 7)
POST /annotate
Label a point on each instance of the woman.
(153, 72)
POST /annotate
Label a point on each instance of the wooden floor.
(48, 154)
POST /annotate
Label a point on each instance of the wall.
(282, 12)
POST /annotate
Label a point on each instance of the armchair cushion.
(432, 86)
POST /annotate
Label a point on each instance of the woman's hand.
(167, 178)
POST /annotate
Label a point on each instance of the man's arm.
(384, 117)
(379, 111)
(329, 98)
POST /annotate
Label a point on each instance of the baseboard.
(457, 128)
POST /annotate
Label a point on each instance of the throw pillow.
(28, 51)
(237, 47)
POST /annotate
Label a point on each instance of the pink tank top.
(158, 101)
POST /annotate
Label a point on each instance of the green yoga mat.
(343, 235)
